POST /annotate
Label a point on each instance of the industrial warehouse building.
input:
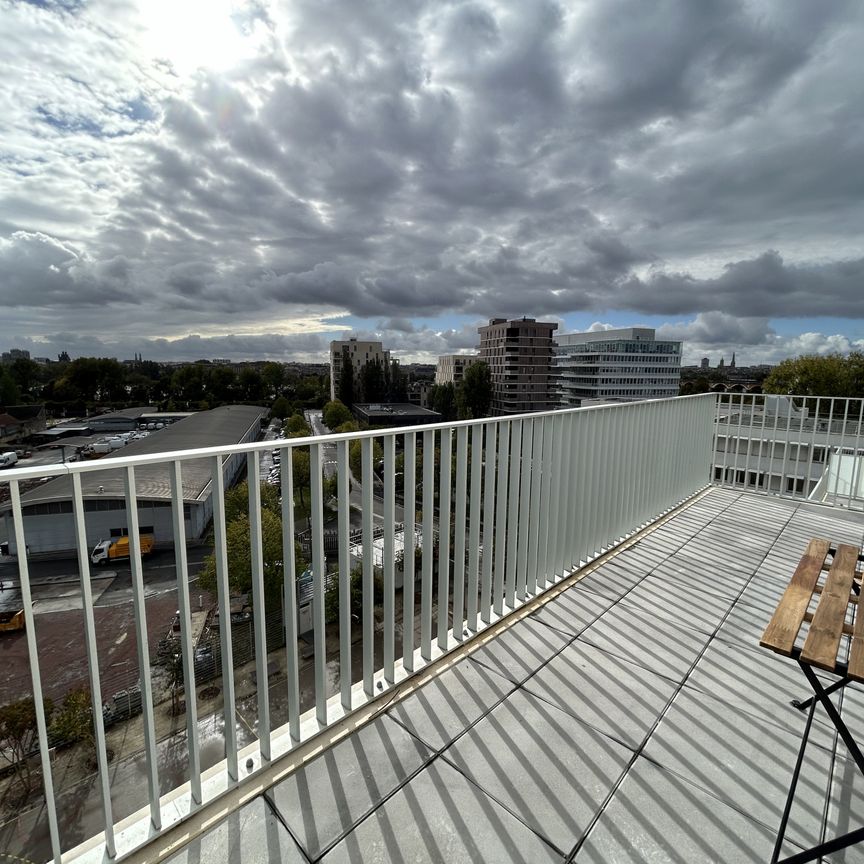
(48, 521)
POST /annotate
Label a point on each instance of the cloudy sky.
(220, 178)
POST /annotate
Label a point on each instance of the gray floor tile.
(325, 798)
(656, 599)
(441, 816)
(250, 835)
(846, 810)
(746, 622)
(616, 697)
(447, 705)
(760, 682)
(656, 643)
(573, 610)
(678, 572)
(658, 817)
(521, 649)
(548, 768)
(744, 760)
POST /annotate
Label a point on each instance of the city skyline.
(253, 180)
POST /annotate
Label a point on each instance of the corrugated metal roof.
(221, 426)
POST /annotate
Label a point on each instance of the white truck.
(7, 460)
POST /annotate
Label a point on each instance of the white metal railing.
(516, 503)
(794, 446)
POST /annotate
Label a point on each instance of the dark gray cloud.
(411, 160)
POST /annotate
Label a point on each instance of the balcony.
(602, 692)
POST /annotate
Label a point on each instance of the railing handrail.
(60, 469)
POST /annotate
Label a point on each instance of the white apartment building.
(623, 365)
(451, 367)
(359, 353)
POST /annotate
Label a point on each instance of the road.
(328, 456)
(55, 584)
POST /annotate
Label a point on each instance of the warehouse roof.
(219, 427)
(125, 414)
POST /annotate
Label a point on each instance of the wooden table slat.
(782, 629)
(856, 653)
(823, 638)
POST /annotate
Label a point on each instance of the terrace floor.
(632, 718)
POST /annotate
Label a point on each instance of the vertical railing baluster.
(738, 434)
(855, 479)
(344, 528)
(615, 488)
(537, 467)
(143, 648)
(840, 453)
(772, 449)
(92, 663)
(178, 521)
(428, 544)
(546, 487)
(501, 516)
(474, 525)
(409, 508)
(35, 674)
(290, 591)
(319, 572)
(749, 441)
(389, 552)
(253, 478)
(578, 491)
(813, 443)
(564, 524)
(223, 599)
(444, 538)
(368, 567)
(524, 509)
(488, 521)
(554, 497)
(459, 533)
(513, 512)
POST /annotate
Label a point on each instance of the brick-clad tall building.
(519, 355)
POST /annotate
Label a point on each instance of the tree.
(442, 398)
(281, 408)
(397, 385)
(19, 736)
(372, 382)
(815, 375)
(301, 469)
(297, 426)
(238, 543)
(73, 720)
(25, 373)
(475, 391)
(251, 385)
(355, 457)
(336, 413)
(8, 390)
(237, 500)
(346, 381)
(221, 383)
(187, 384)
(273, 375)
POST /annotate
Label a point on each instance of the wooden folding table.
(828, 575)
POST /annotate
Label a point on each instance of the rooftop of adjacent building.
(228, 424)
(627, 715)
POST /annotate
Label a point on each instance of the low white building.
(358, 353)
(451, 367)
(623, 365)
(49, 524)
